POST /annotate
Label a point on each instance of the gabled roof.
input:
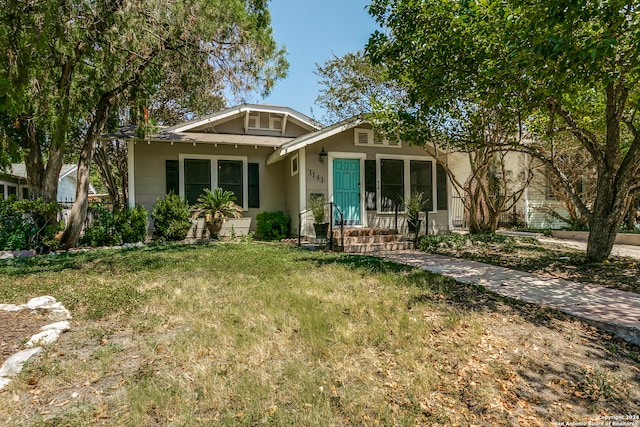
(20, 170)
(229, 113)
(314, 137)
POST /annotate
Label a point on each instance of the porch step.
(362, 248)
(364, 240)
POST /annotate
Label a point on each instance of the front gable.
(248, 119)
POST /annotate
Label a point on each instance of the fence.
(460, 216)
(92, 211)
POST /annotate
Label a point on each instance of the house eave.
(317, 136)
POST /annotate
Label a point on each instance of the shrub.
(171, 218)
(115, 227)
(28, 224)
(272, 225)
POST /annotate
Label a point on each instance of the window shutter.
(172, 177)
(370, 182)
(441, 178)
(254, 185)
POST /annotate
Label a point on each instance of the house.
(275, 158)
(14, 182)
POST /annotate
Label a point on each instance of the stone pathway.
(614, 311)
(48, 334)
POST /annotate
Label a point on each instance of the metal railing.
(333, 209)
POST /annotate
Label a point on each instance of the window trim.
(406, 178)
(295, 161)
(214, 172)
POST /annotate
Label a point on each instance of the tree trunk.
(602, 236)
(78, 215)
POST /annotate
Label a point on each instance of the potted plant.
(215, 207)
(413, 205)
(318, 210)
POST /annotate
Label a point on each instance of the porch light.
(322, 156)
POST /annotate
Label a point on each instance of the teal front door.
(346, 189)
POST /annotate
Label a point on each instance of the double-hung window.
(399, 177)
(198, 172)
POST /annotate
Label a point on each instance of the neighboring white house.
(14, 182)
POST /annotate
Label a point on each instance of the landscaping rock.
(49, 333)
(13, 365)
(7, 255)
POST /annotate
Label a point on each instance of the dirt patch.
(16, 327)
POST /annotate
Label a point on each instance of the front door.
(346, 189)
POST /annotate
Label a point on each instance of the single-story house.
(14, 182)
(276, 159)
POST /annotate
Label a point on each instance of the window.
(2, 197)
(391, 184)
(230, 178)
(25, 193)
(12, 190)
(197, 177)
(421, 180)
(231, 173)
(294, 164)
(398, 177)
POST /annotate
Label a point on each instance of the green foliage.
(430, 243)
(28, 224)
(218, 204)
(415, 204)
(171, 218)
(116, 227)
(318, 207)
(272, 225)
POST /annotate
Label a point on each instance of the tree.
(70, 64)
(352, 85)
(571, 64)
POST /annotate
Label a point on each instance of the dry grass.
(238, 334)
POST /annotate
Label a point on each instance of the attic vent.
(265, 121)
(367, 137)
(362, 136)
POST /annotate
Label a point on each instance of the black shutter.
(254, 185)
(173, 177)
(370, 183)
(441, 178)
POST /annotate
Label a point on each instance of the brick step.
(365, 232)
(377, 247)
(378, 238)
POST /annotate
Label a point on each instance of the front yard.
(257, 334)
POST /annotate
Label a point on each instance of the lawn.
(257, 334)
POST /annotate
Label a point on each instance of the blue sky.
(313, 31)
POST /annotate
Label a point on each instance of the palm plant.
(413, 205)
(216, 206)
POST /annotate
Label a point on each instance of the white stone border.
(49, 333)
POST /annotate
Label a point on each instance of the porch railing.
(337, 218)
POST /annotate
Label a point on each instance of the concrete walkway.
(614, 311)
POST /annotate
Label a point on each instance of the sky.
(313, 31)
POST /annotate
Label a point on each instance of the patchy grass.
(252, 334)
(527, 254)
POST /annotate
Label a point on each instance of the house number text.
(317, 176)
